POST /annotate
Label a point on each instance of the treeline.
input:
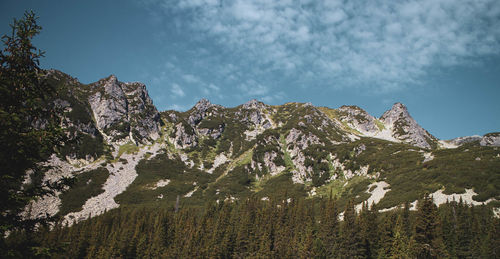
(269, 229)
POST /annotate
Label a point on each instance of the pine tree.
(28, 128)
(329, 230)
(350, 244)
(463, 233)
(284, 233)
(368, 230)
(386, 235)
(428, 237)
(400, 249)
(308, 236)
(492, 240)
(28, 133)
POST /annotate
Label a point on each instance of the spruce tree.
(29, 131)
(400, 245)
(368, 230)
(350, 244)
(386, 235)
(428, 237)
(463, 233)
(329, 229)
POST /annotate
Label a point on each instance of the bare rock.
(491, 139)
(358, 119)
(123, 110)
(464, 140)
(184, 139)
(405, 128)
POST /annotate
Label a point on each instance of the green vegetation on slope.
(303, 228)
(86, 185)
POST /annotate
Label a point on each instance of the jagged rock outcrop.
(254, 113)
(358, 119)
(143, 116)
(200, 111)
(405, 128)
(184, 137)
(254, 104)
(491, 139)
(83, 140)
(214, 132)
(464, 140)
(256, 116)
(203, 120)
(296, 142)
(124, 111)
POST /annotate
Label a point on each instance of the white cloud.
(253, 89)
(381, 44)
(176, 90)
(214, 87)
(177, 107)
(190, 78)
(279, 96)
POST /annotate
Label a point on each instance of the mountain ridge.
(139, 156)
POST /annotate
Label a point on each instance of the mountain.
(394, 125)
(123, 152)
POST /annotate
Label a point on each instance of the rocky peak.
(358, 119)
(254, 104)
(491, 139)
(405, 128)
(112, 79)
(203, 105)
(124, 111)
(398, 111)
(463, 140)
(199, 111)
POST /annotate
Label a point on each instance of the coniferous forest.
(279, 229)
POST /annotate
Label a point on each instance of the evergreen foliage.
(251, 228)
(28, 134)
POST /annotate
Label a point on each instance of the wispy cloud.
(253, 89)
(191, 78)
(277, 97)
(377, 44)
(211, 90)
(177, 90)
(214, 87)
(177, 107)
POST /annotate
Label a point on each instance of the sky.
(441, 58)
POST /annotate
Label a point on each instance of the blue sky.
(439, 57)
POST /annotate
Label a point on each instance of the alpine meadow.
(105, 168)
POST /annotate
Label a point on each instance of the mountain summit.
(405, 128)
(394, 125)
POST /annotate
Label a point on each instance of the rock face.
(405, 128)
(358, 119)
(254, 112)
(200, 111)
(254, 104)
(463, 140)
(84, 140)
(123, 111)
(203, 120)
(296, 142)
(491, 139)
(184, 137)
